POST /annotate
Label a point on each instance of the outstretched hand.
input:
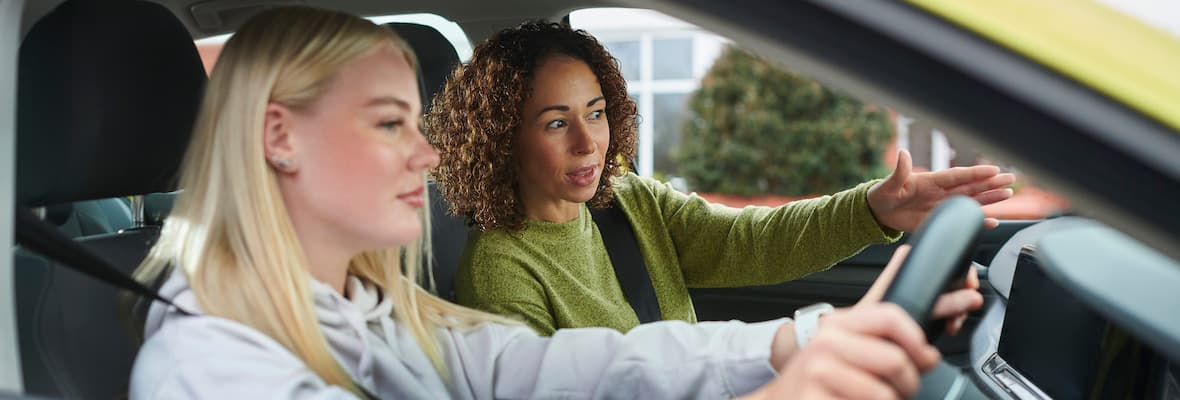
(903, 199)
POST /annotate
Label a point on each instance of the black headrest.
(436, 56)
(107, 95)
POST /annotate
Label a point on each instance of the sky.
(1163, 14)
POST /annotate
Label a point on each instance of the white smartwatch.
(807, 321)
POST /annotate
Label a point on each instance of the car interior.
(104, 95)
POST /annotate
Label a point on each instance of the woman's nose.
(583, 139)
(425, 156)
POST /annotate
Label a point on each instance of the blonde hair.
(229, 232)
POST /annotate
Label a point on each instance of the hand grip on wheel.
(940, 255)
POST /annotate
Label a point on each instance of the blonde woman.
(296, 245)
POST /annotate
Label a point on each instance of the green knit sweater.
(558, 275)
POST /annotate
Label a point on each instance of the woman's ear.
(277, 140)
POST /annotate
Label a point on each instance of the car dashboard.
(1084, 313)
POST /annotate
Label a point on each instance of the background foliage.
(758, 129)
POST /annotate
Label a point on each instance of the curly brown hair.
(474, 119)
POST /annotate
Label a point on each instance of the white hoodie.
(206, 357)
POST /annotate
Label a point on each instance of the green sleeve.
(503, 285)
(720, 246)
(532, 315)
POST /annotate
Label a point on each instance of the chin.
(404, 235)
(580, 197)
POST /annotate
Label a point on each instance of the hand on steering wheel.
(953, 306)
(877, 350)
(941, 255)
(870, 351)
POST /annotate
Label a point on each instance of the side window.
(663, 60)
(449, 29)
(210, 47)
(740, 130)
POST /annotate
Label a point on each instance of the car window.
(737, 129)
(449, 29)
(210, 47)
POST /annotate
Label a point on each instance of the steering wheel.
(941, 254)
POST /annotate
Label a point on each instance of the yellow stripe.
(1115, 54)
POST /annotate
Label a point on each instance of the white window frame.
(705, 49)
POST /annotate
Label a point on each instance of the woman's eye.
(391, 125)
(596, 114)
(556, 124)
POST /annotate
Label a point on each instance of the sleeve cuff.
(748, 367)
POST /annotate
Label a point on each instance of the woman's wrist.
(875, 209)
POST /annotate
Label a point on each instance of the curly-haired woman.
(534, 131)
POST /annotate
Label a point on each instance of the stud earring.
(281, 163)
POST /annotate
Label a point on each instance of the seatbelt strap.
(623, 249)
(43, 238)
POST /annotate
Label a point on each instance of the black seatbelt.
(43, 238)
(623, 249)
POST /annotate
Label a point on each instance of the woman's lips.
(584, 176)
(413, 198)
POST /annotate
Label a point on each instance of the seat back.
(90, 217)
(73, 339)
(107, 95)
(448, 239)
(437, 58)
(157, 206)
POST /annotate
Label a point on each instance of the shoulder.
(495, 266)
(211, 357)
(494, 242)
(632, 190)
(494, 250)
(197, 336)
(630, 183)
(646, 198)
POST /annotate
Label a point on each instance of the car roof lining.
(478, 19)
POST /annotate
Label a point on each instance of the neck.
(559, 211)
(326, 254)
(326, 265)
(327, 258)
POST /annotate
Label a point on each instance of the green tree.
(755, 128)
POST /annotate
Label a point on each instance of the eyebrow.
(567, 108)
(384, 100)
